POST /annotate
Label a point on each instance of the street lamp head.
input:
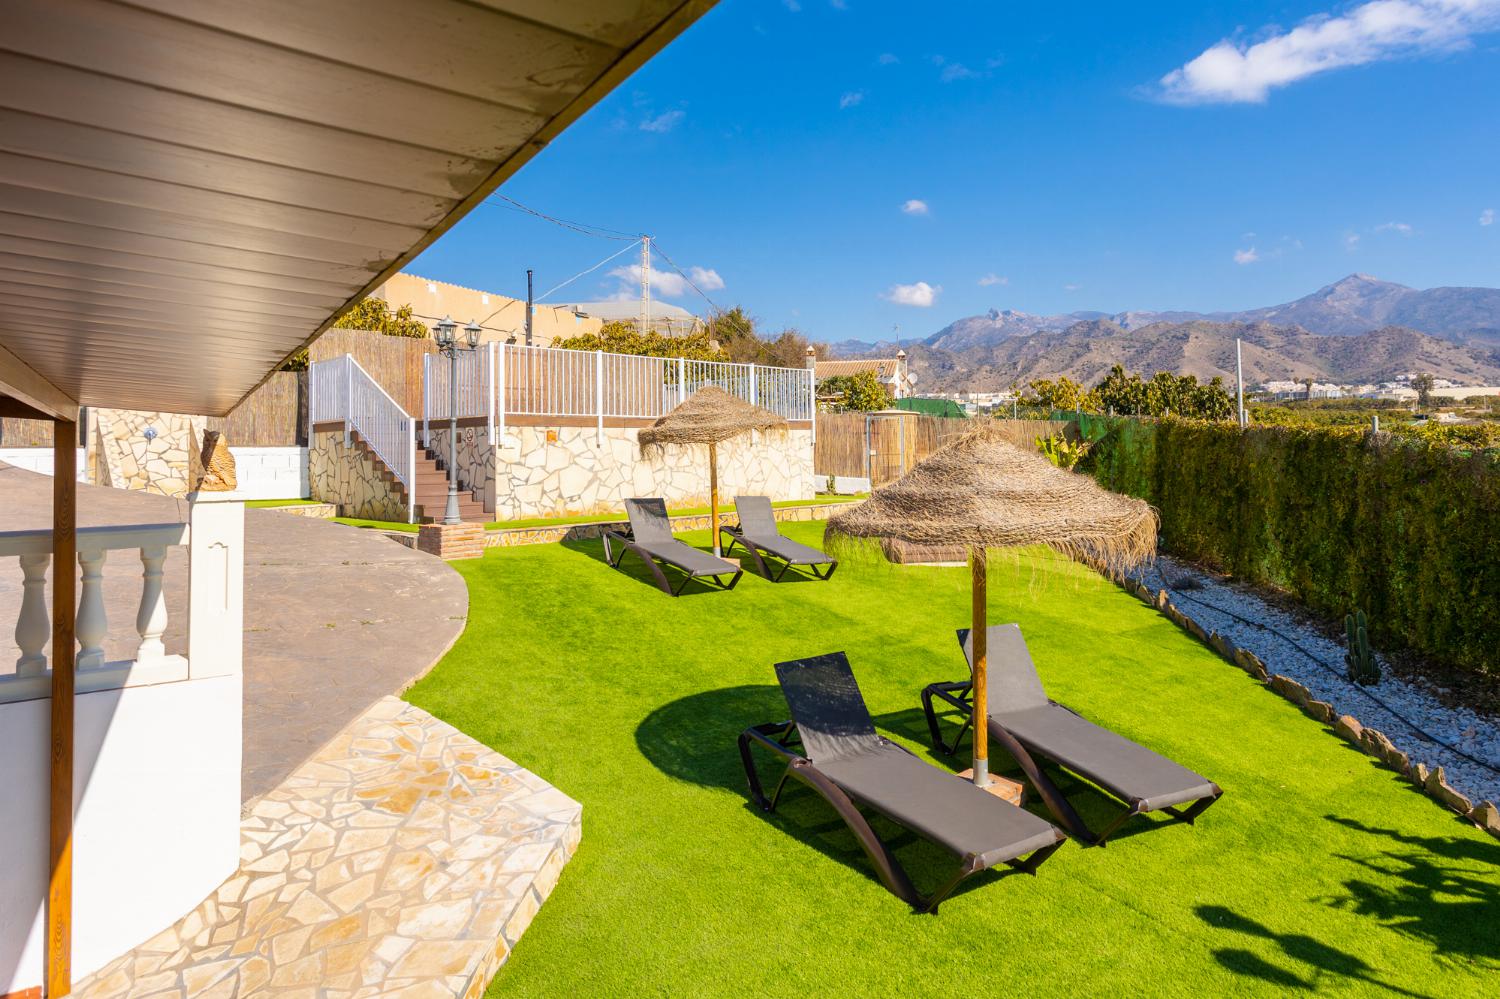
(444, 331)
(471, 331)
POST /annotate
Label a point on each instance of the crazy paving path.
(403, 859)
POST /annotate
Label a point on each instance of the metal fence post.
(490, 393)
(348, 394)
(500, 391)
(426, 396)
(681, 381)
(599, 393)
(411, 468)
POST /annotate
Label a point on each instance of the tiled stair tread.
(403, 857)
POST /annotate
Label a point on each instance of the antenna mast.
(645, 283)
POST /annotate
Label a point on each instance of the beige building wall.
(504, 317)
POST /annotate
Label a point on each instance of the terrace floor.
(320, 599)
(1317, 870)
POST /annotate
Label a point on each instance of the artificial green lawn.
(1316, 870)
(594, 518)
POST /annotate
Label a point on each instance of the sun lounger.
(1026, 723)
(650, 538)
(843, 759)
(757, 532)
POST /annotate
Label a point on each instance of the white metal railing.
(97, 546)
(341, 391)
(544, 381)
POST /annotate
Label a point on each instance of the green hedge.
(1406, 529)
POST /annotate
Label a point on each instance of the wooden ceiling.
(191, 190)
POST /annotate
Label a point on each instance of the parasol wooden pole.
(979, 637)
(59, 917)
(713, 495)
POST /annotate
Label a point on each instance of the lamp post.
(449, 347)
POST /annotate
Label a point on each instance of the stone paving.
(403, 859)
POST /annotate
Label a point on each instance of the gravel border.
(1474, 732)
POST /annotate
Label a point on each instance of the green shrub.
(1405, 527)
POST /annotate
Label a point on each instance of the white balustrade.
(32, 627)
(151, 663)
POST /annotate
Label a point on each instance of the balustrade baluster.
(33, 627)
(151, 619)
(93, 623)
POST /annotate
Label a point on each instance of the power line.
(583, 228)
(575, 277)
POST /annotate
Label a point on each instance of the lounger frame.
(957, 694)
(736, 536)
(625, 540)
(781, 738)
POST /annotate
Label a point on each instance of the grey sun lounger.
(1024, 721)
(650, 538)
(757, 532)
(843, 759)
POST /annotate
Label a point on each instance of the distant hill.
(1358, 329)
(1086, 351)
(1357, 304)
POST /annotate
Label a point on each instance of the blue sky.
(846, 167)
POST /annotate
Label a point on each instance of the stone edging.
(321, 511)
(1372, 742)
(506, 537)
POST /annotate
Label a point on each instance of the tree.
(1180, 395)
(861, 392)
(375, 314)
(621, 337)
(1064, 393)
(739, 340)
(1423, 384)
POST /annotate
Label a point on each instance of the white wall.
(157, 799)
(38, 459)
(270, 472)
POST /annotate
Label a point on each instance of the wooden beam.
(64, 610)
(21, 382)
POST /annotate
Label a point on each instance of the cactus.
(1363, 669)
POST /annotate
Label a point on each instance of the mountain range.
(1357, 329)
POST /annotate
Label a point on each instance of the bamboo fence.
(884, 446)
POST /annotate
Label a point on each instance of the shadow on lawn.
(1318, 958)
(1444, 890)
(635, 569)
(694, 739)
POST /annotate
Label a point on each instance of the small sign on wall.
(468, 435)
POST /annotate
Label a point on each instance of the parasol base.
(1001, 787)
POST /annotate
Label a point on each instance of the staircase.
(432, 492)
(432, 485)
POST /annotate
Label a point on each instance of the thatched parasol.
(709, 417)
(982, 492)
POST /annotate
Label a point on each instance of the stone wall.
(559, 471)
(143, 450)
(349, 478)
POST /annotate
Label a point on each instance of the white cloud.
(1487, 217)
(915, 206)
(706, 278)
(1351, 242)
(791, 5)
(1243, 257)
(922, 295)
(1071, 287)
(992, 279)
(956, 71)
(1400, 227)
(851, 99)
(1233, 72)
(839, 4)
(664, 122)
(887, 59)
